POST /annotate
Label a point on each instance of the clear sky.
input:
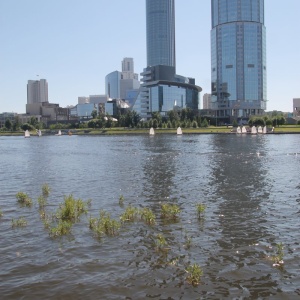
(74, 44)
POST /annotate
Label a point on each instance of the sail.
(179, 131)
(39, 133)
(151, 132)
(238, 130)
(253, 130)
(259, 129)
(27, 134)
(244, 130)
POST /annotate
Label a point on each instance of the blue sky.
(74, 44)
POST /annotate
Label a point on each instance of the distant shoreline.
(135, 131)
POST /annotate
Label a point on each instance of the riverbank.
(287, 129)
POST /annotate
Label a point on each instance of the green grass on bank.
(119, 130)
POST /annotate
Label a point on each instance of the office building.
(206, 101)
(162, 89)
(37, 91)
(160, 29)
(119, 84)
(238, 59)
(296, 107)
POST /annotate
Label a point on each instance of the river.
(249, 184)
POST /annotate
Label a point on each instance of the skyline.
(74, 45)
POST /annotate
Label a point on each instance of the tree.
(16, 123)
(94, 114)
(204, 123)
(8, 124)
(27, 126)
(33, 121)
(173, 115)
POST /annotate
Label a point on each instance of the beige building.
(296, 107)
(47, 111)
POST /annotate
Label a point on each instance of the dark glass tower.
(160, 26)
(238, 59)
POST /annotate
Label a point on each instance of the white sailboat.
(179, 130)
(265, 129)
(59, 132)
(259, 129)
(151, 132)
(238, 130)
(27, 134)
(253, 130)
(39, 132)
(244, 130)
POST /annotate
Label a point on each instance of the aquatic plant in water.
(129, 214)
(71, 209)
(161, 243)
(277, 258)
(170, 211)
(121, 200)
(200, 209)
(20, 222)
(23, 199)
(62, 228)
(46, 190)
(148, 216)
(104, 224)
(42, 201)
(194, 274)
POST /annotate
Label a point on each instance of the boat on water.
(179, 131)
(27, 134)
(253, 130)
(244, 130)
(238, 130)
(39, 132)
(265, 130)
(58, 133)
(151, 132)
(259, 129)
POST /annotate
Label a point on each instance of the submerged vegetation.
(277, 258)
(46, 190)
(23, 199)
(170, 211)
(200, 210)
(194, 274)
(20, 222)
(104, 225)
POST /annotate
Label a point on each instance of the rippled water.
(250, 185)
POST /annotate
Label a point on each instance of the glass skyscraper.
(160, 27)
(238, 59)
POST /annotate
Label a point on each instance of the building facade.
(37, 91)
(206, 101)
(118, 84)
(296, 107)
(238, 59)
(160, 30)
(162, 89)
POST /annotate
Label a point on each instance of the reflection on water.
(249, 184)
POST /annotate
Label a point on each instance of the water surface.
(249, 184)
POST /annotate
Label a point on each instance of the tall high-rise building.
(238, 59)
(160, 29)
(37, 91)
(162, 89)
